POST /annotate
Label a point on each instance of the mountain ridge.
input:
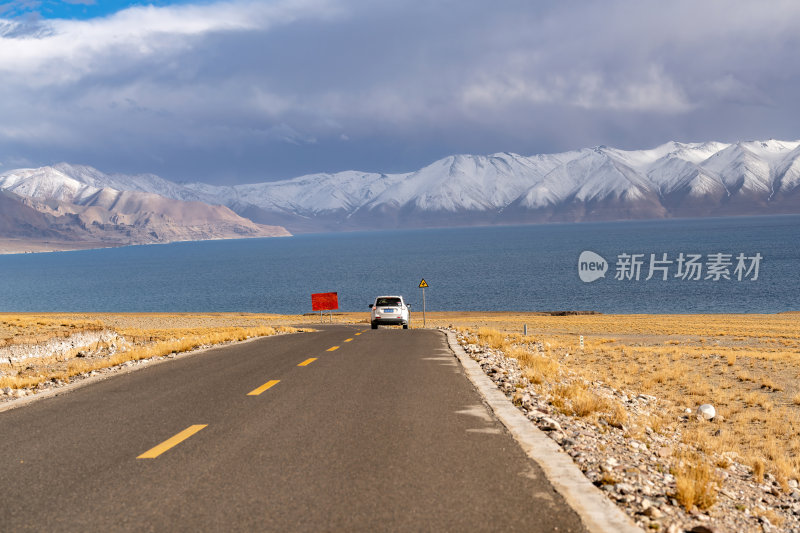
(600, 183)
(46, 209)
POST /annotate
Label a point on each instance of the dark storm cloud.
(245, 91)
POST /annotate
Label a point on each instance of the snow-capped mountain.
(76, 183)
(674, 179)
(76, 204)
(602, 183)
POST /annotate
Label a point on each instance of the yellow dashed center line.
(262, 388)
(348, 340)
(308, 361)
(332, 348)
(359, 333)
(152, 453)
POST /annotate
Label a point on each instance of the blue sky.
(72, 9)
(241, 90)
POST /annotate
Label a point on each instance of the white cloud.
(284, 82)
(652, 92)
(271, 104)
(63, 51)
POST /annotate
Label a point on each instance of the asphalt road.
(384, 433)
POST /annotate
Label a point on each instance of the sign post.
(325, 301)
(422, 285)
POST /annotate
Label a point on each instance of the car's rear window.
(387, 301)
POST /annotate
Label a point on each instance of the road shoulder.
(596, 511)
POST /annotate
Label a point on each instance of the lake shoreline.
(27, 246)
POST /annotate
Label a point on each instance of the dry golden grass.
(145, 336)
(774, 518)
(618, 417)
(758, 469)
(538, 368)
(747, 366)
(493, 338)
(577, 399)
(33, 329)
(608, 478)
(160, 348)
(696, 484)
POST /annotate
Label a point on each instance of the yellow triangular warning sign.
(423, 284)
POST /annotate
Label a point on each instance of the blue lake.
(517, 268)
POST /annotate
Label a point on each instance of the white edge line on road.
(597, 512)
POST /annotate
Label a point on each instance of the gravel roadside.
(636, 472)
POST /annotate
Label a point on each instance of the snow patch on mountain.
(696, 179)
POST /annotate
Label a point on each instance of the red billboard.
(325, 301)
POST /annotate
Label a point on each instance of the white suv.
(390, 310)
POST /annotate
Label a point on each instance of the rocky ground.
(43, 352)
(110, 343)
(8, 394)
(60, 347)
(636, 472)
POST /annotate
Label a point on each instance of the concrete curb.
(597, 512)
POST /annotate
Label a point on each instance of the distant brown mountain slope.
(148, 217)
(18, 220)
(113, 218)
